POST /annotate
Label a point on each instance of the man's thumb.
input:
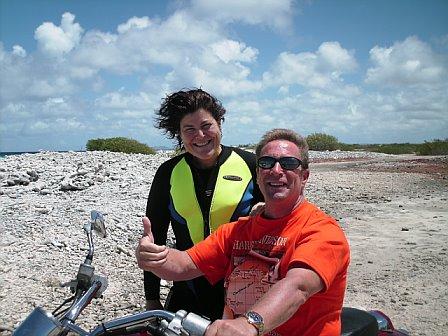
(147, 228)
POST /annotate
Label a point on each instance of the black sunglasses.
(286, 162)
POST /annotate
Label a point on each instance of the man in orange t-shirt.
(284, 269)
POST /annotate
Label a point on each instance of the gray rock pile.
(45, 200)
(47, 197)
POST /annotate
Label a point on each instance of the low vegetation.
(325, 142)
(322, 142)
(436, 147)
(119, 144)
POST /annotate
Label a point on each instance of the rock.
(45, 191)
(122, 249)
(24, 180)
(38, 187)
(54, 243)
(43, 211)
(33, 175)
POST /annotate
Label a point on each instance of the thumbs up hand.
(147, 229)
(149, 255)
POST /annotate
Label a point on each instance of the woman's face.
(201, 136)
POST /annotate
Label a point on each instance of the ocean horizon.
(3, 154)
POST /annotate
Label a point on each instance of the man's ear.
(305, 175)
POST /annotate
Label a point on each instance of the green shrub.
(395, 148)
(322, 142)
(120, 144)
(349, 147)
(435, 147)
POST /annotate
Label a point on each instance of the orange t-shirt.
(255, 252)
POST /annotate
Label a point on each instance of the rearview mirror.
(98, 223)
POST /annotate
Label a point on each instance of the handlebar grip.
(104, 284)
(195, 325)
(39, 323)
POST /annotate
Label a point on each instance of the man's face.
(277, 184)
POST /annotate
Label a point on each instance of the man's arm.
(276, 306)
(167, 263)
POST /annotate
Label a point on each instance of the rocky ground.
(392, 208)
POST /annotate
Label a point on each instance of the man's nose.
(277, 168)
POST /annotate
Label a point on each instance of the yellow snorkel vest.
(233, 179)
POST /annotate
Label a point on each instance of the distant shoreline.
(15, 153)
(3, 154)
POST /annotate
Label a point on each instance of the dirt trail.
(395, 215)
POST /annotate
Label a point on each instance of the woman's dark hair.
(178, 104)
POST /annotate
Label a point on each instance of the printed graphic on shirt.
(253, 273)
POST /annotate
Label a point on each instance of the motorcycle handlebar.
(79, 305)
(41, 323)
(180, 323)
(86, 286)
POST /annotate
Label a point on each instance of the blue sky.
(363, 71)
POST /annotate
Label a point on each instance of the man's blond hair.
(288, 135)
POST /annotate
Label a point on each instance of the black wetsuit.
(196, 295)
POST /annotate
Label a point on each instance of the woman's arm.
(157, 211)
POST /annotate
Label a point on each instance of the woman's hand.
(257, 209)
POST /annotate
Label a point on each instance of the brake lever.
(72, 284)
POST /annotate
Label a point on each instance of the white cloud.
(56, 107)
(18, 51)
(14, 111)
(121, 101)
(134, 23)
(171, 43)
(332, 57)
(53, 127)
(229, 50)
(226, 81)
(47, 87)
(37, 127)
(319, 69)
(98, 51)
(197, 47)
(350, 112)
(410, 63)
(54, 40)
(133, 114)
(274, 13)
(191, 52)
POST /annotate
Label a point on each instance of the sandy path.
(397, 225)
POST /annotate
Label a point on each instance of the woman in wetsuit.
(208, 185)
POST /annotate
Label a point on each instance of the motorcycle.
(357, 322)
(87, 286)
